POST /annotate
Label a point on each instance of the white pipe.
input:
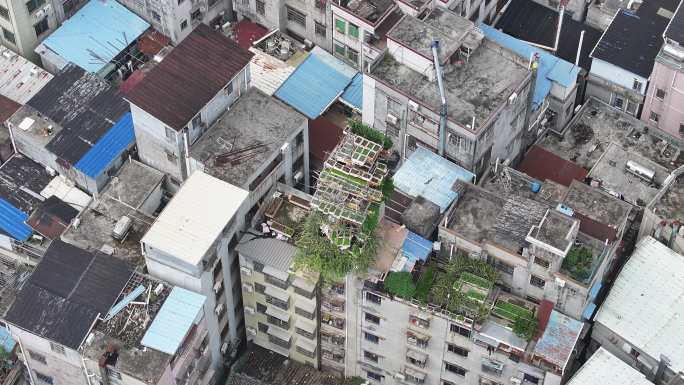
(560, 25)
(579, 48)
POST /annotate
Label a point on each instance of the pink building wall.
(669, 77)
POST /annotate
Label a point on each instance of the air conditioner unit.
(218, 286)
(298, 176)
(251, 331)
(308, 43)
(392, 119)
(219, 309)
(516, 381)
(284, 148)
(413, 105)
(224, 348)
(245, 270)
(249, 310)
(400, 376)
(512, 98)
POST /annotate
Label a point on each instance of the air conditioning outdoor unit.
(219, 309)
(224, 348)
(413, 105)
(251, 331)
(392, 119)
(249, 310)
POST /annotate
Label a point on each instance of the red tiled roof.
(595, 229)
(247, 32)
(7, 108)
(151, 42)
(323, 137)
(541, 164)
(189, 77)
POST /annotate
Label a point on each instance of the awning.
(279, 333)
(277, 293)
(303, 284)
(277, 313)
(415, 374)
(281, 275)
(416, 355)
(307, 306)
(308, 327)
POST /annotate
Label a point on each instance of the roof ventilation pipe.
(443, 107)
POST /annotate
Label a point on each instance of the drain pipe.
(443, 107)
(579, 49)
(561, 12)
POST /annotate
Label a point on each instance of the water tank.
(536, 186)
(121, 228)
(640, 171)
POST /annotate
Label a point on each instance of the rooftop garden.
(360, 129)
(578, 263)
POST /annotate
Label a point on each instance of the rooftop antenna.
(443, 107)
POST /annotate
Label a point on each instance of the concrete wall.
(668, 76)
(65, 369)
(21, 24)
(607, 81)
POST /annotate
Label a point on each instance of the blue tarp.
(589, 311)
(594, 291)
(6, 341)
(316, 83)
(96, 34)
(174, 320)
(353, 95)
(431, 176)
(110, 146)
(13, 221)
(416, 247)
(551, 68)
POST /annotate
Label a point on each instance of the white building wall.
(617, 75)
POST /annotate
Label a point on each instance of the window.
(260, 308)
(536, 281)
(304, 313)
(530, 378)
(37, 357)
(340, 49)
(114, 374)
(631, 107)
(45, 379)
(681, 128)
(372, 318)
(320, 29)
(260, 7)
(258, 266)
(197, 15)
(618, 102)
(541, 262)
(353, 30)
(504, 267)
(654, 117)
(370, 356)
(371, 337)
(228, 88)
(532, 299)
(4, 12)
(57, 348)
(305, 333)
(455, 369)
(263, 328)
(285, 305)
(660, 94)
(353, 55)
(457, 350)
(259, 288)
(372, 297)
(296, 16)
(9, 36)
(341, 26)
(374, 376)
(32, 5)
(184, 24)
(636, 85)
(460, 330)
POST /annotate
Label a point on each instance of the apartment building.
(25, 24)
(547, 248)
(190, 245)
(636, 322)
(487, 91)
(307, 22)
(664, 97)
(111, 324)
(181, 97)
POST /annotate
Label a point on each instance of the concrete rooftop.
(671, 203)
(555, 230)
(255, 119)
(369, 10)
(511, 181)
(473, 89)
(587, 136)
(596, 204)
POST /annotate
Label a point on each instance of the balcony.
(419, 320)
(334, 356)
(330, 320)
(492, 367)
(333, 305)
(416, 358)
(416, 339)
(332, 339)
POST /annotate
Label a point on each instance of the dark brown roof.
(189, 77)
(7, 108)
(541, 164)
(595, 229)
(324, 135)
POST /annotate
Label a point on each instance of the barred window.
(296, 16)
(260, 7)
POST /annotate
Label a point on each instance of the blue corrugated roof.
(6, 340)
(13, 221)
(416, 247)
(589, 311)
(316, 83)
(429, 175)
(551, 68)
(174, 320)
(96, 34)
(353, 95)
(594, 290)
(110, 146)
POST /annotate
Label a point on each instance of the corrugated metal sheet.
(429, 175)
(268, 73)
(551, 69)
(96, 34)
(13, 221)
(268, 251)
(174, 320)
(19, 78)
(542, 164)
(353, 94)
(606, 369)
(316, 83)
(559, 338)
(108, 148)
